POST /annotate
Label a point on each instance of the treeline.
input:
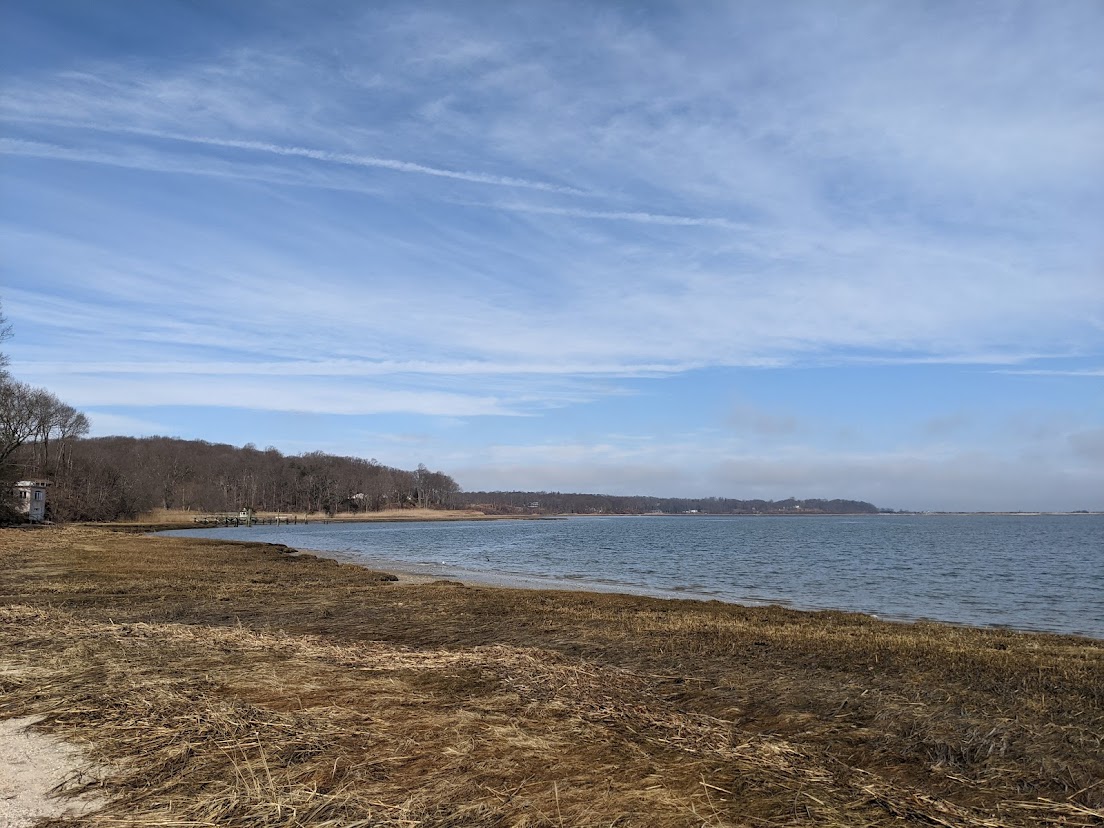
(594, 504)
(113, 478)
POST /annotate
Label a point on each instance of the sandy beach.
(213, 683)
(36, 770)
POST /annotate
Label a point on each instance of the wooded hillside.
(110, 478)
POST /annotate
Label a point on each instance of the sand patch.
(35, 769)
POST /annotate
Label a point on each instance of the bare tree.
(68, 425)
(31, 414)
(20, 405)
(5, 334)
(49, 414)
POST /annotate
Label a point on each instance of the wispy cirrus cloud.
(140, 158)
(680, 220)
(1054, 372)
(263, 147)
(362, 368)
(277, 394)
(615, 215)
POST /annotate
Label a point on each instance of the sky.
(753, 250)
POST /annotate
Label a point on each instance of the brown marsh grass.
(231, 684)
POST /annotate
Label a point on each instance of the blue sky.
(739, 249)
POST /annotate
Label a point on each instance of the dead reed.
(235, 685)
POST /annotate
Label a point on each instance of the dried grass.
(232, 685)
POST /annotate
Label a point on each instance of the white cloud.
(270, 394)
(752, 141)
(476, 213)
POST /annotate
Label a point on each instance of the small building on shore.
(30, 496)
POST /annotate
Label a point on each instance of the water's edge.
(1030, 574)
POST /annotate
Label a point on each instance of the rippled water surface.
(1042, 572)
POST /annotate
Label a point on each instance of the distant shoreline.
(157, 524)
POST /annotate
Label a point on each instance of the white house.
(31, 497)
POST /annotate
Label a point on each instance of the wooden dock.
(231, 519)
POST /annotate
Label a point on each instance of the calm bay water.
(1043, 572)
